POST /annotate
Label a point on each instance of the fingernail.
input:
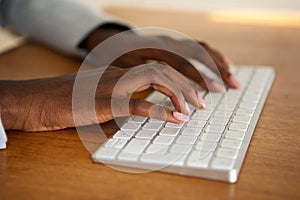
(217, 87)
(235, 82)
(187, 107)
(181, 117)
(201, 101)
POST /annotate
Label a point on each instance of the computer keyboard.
(212, 144)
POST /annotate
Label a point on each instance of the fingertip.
(234, 82)
(216, 87)
(180, 116)
(201, 101)
(187, 107)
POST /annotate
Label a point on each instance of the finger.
(188, 70)
(122, 107)
(172, 60)
(147, 109)
(176, 98)
(162, 84)
(222, 64)
(212, 85)
(179, 64)
(188, 91)
(146, 76)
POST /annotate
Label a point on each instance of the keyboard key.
(199, 159)
(248, 105)
(206, 146)
(111, 142)
(238, 126)
(136, 146)
(218, 121)
(231, 143)
(215, 129)
(181, 148)
(209, 108)
(156, 120)
(146, 134)
(152, 126)
(180, 161)
(191, 131)
(162, 139)
(196, 123)
(227, 153)
(172, 125)
(201, 116)
(106, 153)
(239, 135)
(161, 159)
(116, 143)
(213, 97)
(130, 126)
(124, 135)
(126, 156)
(226, 108)
(120, 144)
(247, 112)
(137, 119)
(157, 148)
(222, 163)
(211, 137)
(224, 115)
(241, 118)
(168, 131)
(186, 139)
(253, 99)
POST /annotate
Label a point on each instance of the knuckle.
(178, 94)
(149, 70)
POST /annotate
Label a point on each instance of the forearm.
(35, 105)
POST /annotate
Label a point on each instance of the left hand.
(189, 48)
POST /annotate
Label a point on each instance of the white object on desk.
(212, 144)
(3, 138)
(9, 41)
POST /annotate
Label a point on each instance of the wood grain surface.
(55, 165)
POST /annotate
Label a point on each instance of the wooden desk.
(56, 165)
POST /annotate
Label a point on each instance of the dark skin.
(46, 104)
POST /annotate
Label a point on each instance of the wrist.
(102, 33)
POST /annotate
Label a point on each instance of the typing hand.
(47, 104)
(199, 51)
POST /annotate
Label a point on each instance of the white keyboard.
(212, 144)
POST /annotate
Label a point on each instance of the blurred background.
(279, 12)
(284, 13)
(201, 5)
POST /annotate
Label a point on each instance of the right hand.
(46, 104)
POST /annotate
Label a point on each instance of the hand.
(46, 104)
(187, 48)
